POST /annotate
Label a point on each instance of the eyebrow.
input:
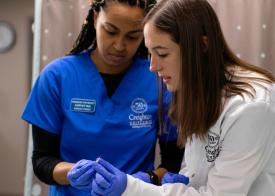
(130, 32)
(160, 47)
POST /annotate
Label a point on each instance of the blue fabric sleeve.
(43, 107)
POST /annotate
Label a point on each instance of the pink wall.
(15, 74)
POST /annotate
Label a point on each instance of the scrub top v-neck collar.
(127, 83)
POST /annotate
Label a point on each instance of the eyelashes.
(113, 33)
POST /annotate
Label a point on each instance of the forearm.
(45, 157)
(60, 172)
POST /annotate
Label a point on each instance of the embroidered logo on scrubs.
(139, 119)
(139, 105)
(83, 105)
(213, 147)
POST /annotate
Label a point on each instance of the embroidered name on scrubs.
(139, 119)
(83, 105)
(212, 148)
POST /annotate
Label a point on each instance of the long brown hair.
(87, 37)
(205, 70)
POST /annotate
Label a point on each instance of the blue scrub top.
(70, 99)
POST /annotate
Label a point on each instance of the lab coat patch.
(139, 118)
(83, 105)
(212, 149)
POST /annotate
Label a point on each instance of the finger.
(86, 178)
(94, 194)
(182, 179)
(101, 182)
(104, 172)
(77, 171)
(97, 189)
(80, 163)
(73, 170)
(107, 165)
(164, 181)
(167, 178)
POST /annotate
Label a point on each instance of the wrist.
(160, 173)
(60, 172)
(153, 177)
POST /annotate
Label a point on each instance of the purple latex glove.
(174, 178)
(142, 176)
(81, 175)
(108, 181)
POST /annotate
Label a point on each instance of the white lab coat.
(237, 158)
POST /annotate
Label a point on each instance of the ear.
(205, 43)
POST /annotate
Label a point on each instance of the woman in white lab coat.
(224, 109)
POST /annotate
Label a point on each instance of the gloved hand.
(81, 175)
(174, 178)
(142, 176)
(108, 181)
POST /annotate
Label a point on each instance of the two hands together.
(101, 178)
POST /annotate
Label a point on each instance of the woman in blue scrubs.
(100, 101)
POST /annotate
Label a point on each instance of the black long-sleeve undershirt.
(45, 154)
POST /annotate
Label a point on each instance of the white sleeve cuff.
(136, 187)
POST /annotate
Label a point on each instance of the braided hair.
(87, 37)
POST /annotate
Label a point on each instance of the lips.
(165, 79)
(116, 57)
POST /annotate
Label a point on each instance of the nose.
(154, 64)
(119, 44)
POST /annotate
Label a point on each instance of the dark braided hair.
(87, 37)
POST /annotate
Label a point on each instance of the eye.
(162, 55)
(110, 32)
(132, 37)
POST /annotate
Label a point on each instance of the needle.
(97, 159)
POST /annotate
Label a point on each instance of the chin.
(171, 88)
